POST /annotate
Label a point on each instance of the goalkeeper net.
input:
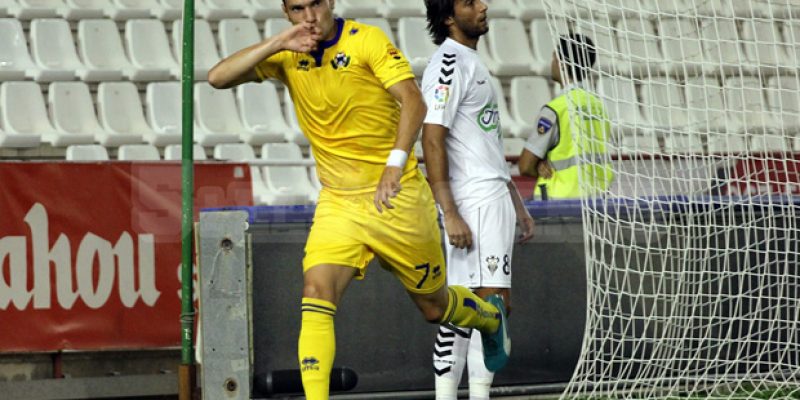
(693, 281)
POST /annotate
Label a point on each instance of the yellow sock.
(316, 347)
(466, 309)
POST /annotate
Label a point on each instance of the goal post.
(692, 259)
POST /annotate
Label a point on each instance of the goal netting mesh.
(693, 281)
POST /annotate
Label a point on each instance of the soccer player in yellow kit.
(358, 104)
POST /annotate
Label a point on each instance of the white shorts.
(488, 262)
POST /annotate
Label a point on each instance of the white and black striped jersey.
(458, 91)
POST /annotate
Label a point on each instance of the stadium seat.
(53, 51)
(510, 126)
(32, 9)
(15, 61)
(721, 46)
(544, 44)
(747, 105)
(119, 109)
(485, 55)
(263, 9)
(680, 41)
(770, 142)
(261, 115)
(501, 9)
(169, 10)
(642, 57)
(719, 8)
(215, 10)
(295, 133)
(664, 104)
(83, 9)
(619, 96)
(382, 23)
(173, 152)
(791, 35)
(726, 144)
(16, 139)
(683, 143)
(402, 8)
(357, 8)
(4, 5)
(530, 9)
(100, 47)
(149, 50)
(417, 48)
(616, 9)
(288, 185)
(528, 95)
(241, 152)
(205, 49)
(163, 104)
(216, 116)
(274, 26)
(509, 47)
(234, 152)
(236, 34)
(89, 152)
(635, 144)
(138, 152)
(121, 10)
(764, 48)
(665, 7)
(74, 118)
(605, 42)
(706, 106)
(783, 96)
(24, 114)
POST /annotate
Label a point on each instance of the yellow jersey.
(342, 103)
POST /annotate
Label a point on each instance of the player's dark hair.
(577, 54)
(438, 13)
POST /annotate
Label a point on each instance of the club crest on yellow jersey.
(341, 60)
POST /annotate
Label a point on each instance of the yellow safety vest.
(581, 153)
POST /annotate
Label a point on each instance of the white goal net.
(693, 280)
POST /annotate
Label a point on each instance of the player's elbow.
(527, 164)
(217, 79)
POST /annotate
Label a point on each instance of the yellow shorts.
(348, 230)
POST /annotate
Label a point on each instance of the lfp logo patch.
(442, 94)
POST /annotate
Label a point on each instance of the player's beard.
(474, 31)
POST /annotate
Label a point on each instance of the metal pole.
(186, 371)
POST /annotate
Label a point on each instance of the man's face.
(317, 12)
(469, 17)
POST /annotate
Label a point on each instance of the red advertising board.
(762, 175)
(90, 253)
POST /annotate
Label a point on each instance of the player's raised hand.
(302, 38)
(458, 231)
(388, 188)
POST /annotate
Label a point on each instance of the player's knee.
(315, 290)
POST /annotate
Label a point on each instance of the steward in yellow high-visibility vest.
(567, 152)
